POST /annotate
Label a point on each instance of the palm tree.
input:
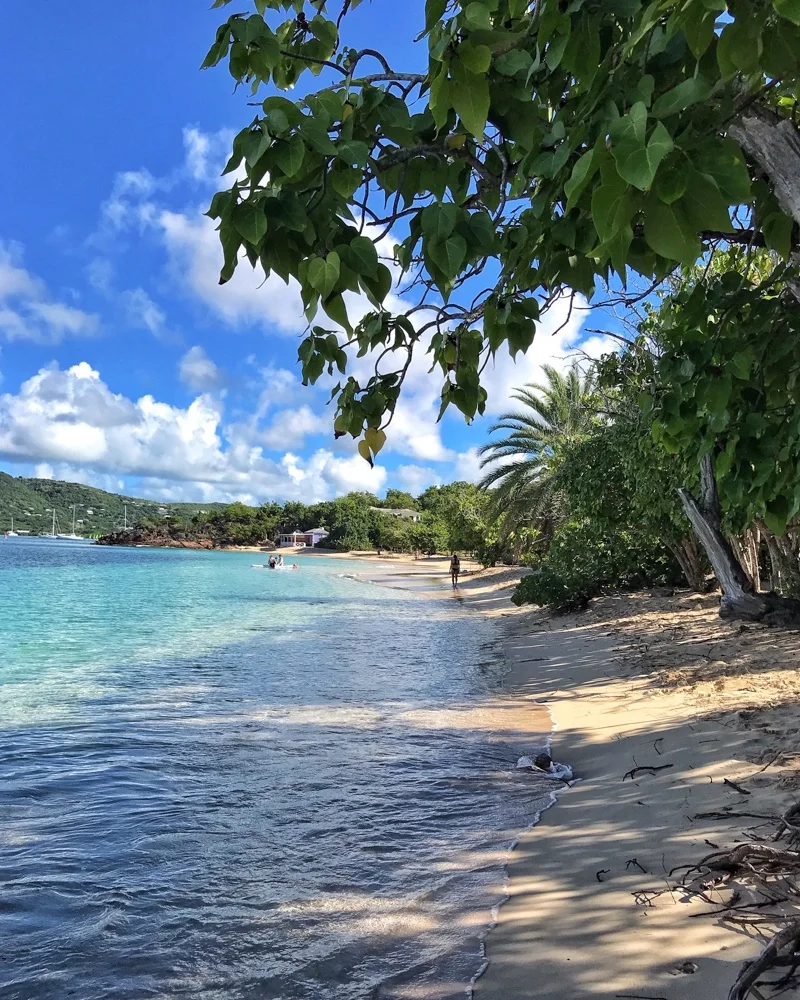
(523, 464)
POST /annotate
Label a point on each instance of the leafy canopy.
(546, 147)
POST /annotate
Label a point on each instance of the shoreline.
(622, 693)
(636, 680)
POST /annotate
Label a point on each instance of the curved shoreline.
(622, 693)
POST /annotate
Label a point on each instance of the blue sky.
(123, 363)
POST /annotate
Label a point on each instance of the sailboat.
(62, 534)
(12, 533)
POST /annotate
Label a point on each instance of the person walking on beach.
(455, 569)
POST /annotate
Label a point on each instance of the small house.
(299, 539)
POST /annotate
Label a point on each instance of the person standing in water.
(455, 569)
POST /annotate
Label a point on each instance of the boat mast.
(54, 523)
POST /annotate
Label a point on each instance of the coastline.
(642, 680)
(638, 679)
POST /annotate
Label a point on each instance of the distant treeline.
(439, 520)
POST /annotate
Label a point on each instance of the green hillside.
(31, 501)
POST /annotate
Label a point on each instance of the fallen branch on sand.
(645, 767)
(790, 821)
(787, 939)
(738, 788)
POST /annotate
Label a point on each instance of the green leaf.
(291, 113)
(777, 230)
(254, 145)
(219, 49)
(354, 152)
(718, 393)
(582, 173)
(323, 273)
(724, 161)
(703, 205)
(636, 162)
(474, 58)
(739, 47)
(335, 308)
(361, 256)
(324, 30)
(513, 62)
(250, 221)
(448, 255)
(289, 155)
(316, 136)
(439, 220)
(470, 96)
(434, 12)
(378, 287)
(668, 233)
(441, 99)
(482, 232)
(790, 9)
(670, 184)
(555, 51)
(688, 92)
(777, 514)
(231, 241)
(477, 16)
(610, 209)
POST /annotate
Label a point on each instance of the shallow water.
(233, 783)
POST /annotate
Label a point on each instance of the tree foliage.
(544, 148)
(726, 386)
(583, 560)
(522, 466)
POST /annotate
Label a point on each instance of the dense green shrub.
(583, 561)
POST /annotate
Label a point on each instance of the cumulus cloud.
(27, 309)
(248, 299)
(415, 479)
(72, 418)
(467, 466)
(289, 428)
(198, 372)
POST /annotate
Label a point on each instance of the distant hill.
(31, 501)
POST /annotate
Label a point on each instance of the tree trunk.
(774, 144)
(785, 569)
(689, 558)
(747, 549)
(739, 597)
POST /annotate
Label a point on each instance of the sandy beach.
(708, 712)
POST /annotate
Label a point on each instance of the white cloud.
(206, 153)
(72, 419)
(415, 479)
(467, 466)
(136, 306)
(142, 312)
(29, 312)
(289, 428)
(248, 298)
(197, 371)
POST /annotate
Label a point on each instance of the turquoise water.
(231, 783)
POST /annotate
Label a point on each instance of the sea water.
(225, 782)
